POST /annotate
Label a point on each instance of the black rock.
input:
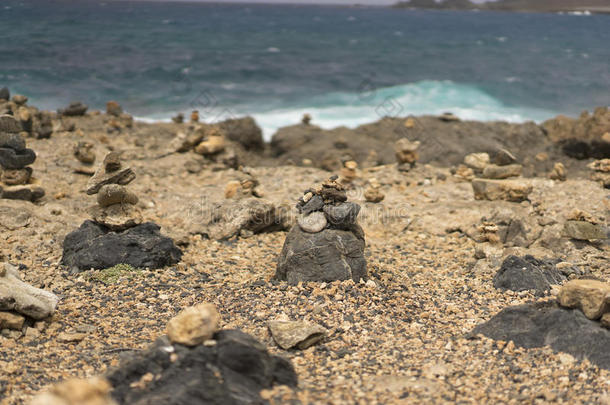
(540, 324)
(332, 194)
(232, 372)
(329, 255)
(75, 109)
(95, 246)
(342, 216)
(528, 273)
(12, 141)
(25, 193)
(11, 159)
(245, 131)
(316, 203)
(5, 94)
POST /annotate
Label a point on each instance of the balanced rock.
(373, 192)
(111, 194)
(194, 325)
(212, 145)
(110, 172)
(15, 295)
(83, 151)
(75, 109)
(477, 161)
(601, 171)
(502, 172)
(406, 151)
(8, 125)
(27, 192)
(116, 217)
(559, 172)
(592, 297)
(509, 190)
(13, 159)
(502, 157)
(296, 334)
(16, 177)
(19, 99)
(313, 222)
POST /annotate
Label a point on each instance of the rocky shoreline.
(433, 241)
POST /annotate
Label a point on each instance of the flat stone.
(28, 192)
(75, 109)
(15, 295)
(71, 337)
(122, 176)
(211, 146)
(582, 230)
(343, 215)
(296, 334)
(5, 94)
(12, 159)
(9, 320)
(13, 218)
(502, 172)
(508, 190)
(477, 161)
(15, 177)
(315, 203)
(312, 223)
(503, 157)
(117, 217)
(592, 297)
(111, 194)
(194, 325)
(331, 194)
(94, 246)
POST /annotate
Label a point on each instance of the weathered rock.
(194, 325)
(8, 124)
(94, 246)
(601, 171)
(373, 194)
(16, 177)
(110, 172)
(14, 217)
(111, 194)
(12, 159)
(19, 99)
(477, 161)
(15, 295)
(527, 273)
(95, 391)
(406, 151)
(330, 255)
(502, 157)
(27, 192)
(83, 151)
(559, 172)
(212, 145)
(296, 334)
(544, 323)
(342, 216)
(117, 217)
(315, 203)
(245, 131)
(114, 108)
(75, 109)
(592, 297)
(5, 94)
(502, 172)
(509, 190)
(333, 195)
(12, 141)
(312, 223)
(10, 320)
(582, 230)
(233, 371)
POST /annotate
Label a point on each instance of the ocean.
(342, 65)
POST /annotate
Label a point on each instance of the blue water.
(344, 66)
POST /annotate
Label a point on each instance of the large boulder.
(244, 131)
(544, 323)
(94, 246)
(233, 371)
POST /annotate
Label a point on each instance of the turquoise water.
(344, 66)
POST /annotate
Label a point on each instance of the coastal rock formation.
(116, 235)
(16, 180)
(327, 244)
(231, 371)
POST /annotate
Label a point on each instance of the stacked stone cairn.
(32, 122)
(16, 180)
(373, 192)
(208, 141)
(327, 243)
(600, 172)
(406, 154)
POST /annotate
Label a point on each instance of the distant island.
(555, 6)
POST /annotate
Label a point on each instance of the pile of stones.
(117, 120)
(601, 172)
(116, 235)
(327, 243)
(373, 192)
(246, 185)
(33, 122)
(406, 154)
(83, 152)
(16, 180)
(208, 141)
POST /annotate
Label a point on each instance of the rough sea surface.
(343, 65)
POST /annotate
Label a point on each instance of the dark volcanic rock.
(316, 203)
(232, 372)
(343, 215)
(95, 246)
(245, 131)
(75, 109)
(540, 324)
(329, 255)
(11, 159)
(12, 141)
(528, 273)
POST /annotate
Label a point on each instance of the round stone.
(313, 223)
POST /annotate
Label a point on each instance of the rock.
(114, 108)
(544, 323)
(315, 203)
(527, 273)
(559, 172)
(28, 192)
(71, 337)
(342, 216)
(592, 297)
(83, 151)
(211, 146)
(333, 195)
(312, 223)
(13, 218)
(12, 159)
(194, 325)
(233, 371)
(449, 117)
(605, 321)
(582, 230)
(195, 116)
(349, 172)
(296, 334)
(373, 194)
(306, 119)
(502, 172)
(601, 171)
(8, 125)
(329, 255)
(502, 157)
(19, 99)
(178, 118)
(477, 161)
(244, 131)
(9, 320)
(94, 246)
(110, 172)
(15, 295)
(111, 194)
(406, 151)
(5, 94)
(75, 109)
(95, 391)
(12, 141)
(509, 190)
(16, 177)
(117, 217)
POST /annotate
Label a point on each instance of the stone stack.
(32, 122)
(116, 205)
(209, 141)
(349, 172)
(246, 185)
(83, 152)
(406, 154)
(327, 243)
(16, 180)
(601, 172)
(373, 192)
